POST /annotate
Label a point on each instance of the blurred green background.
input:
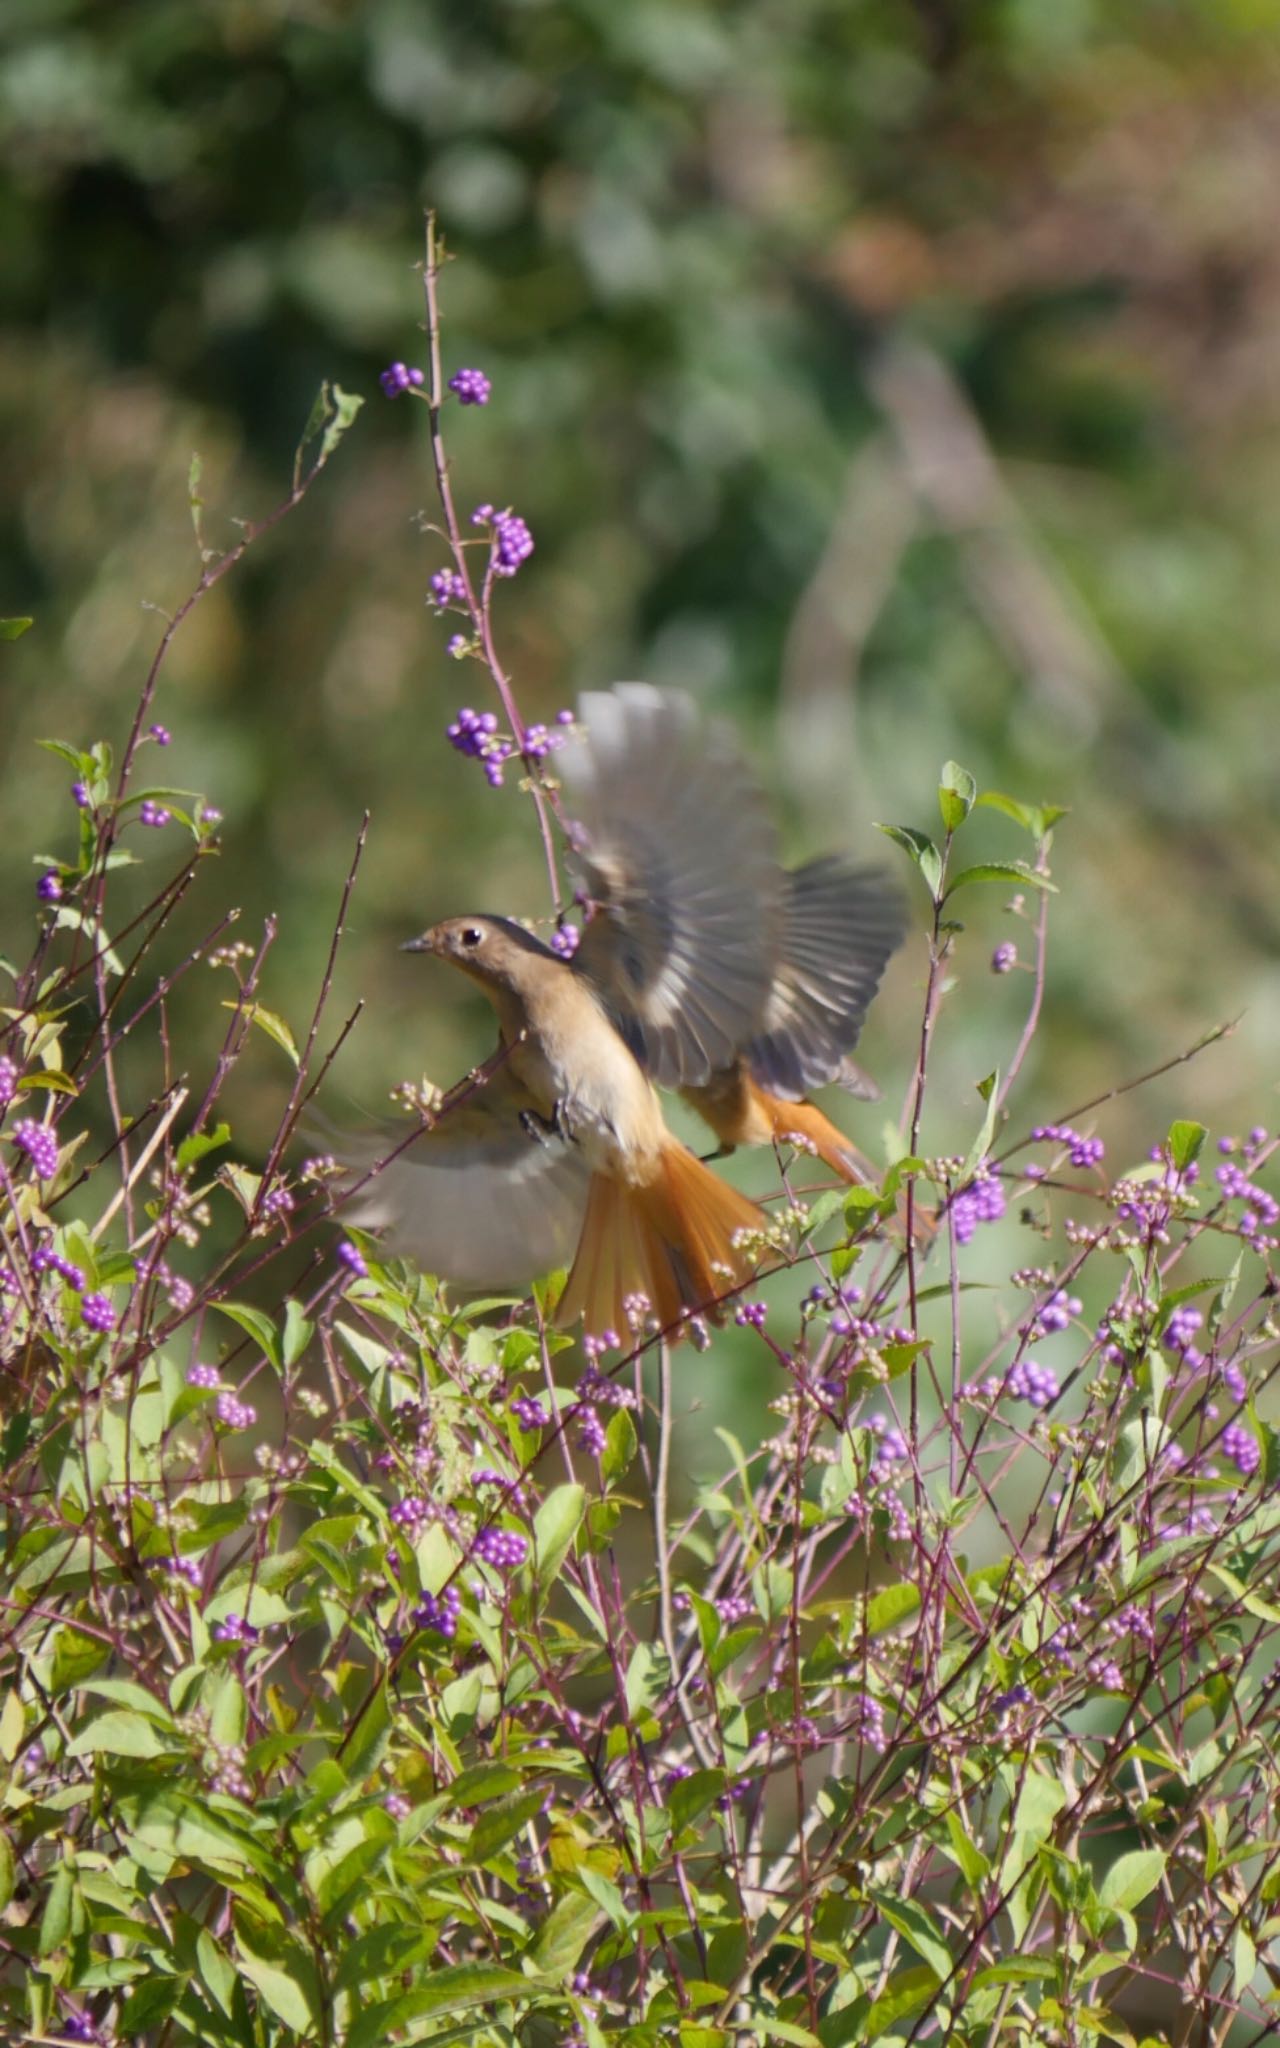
(902, 379)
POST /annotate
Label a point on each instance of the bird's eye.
(472, 935)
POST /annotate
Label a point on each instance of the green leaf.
(118, 1733)
(921, 850)
(620, 1445)
(13, 629)
(333, 412)
(606, 1895)
(449, 1990)
(502, 1822)
(75, 1656)
(915, 1925)
(906, 1990)
(890, 1606)
(8, 1870)
(566, 1930)
(1037, 819)
(956, 794)
(13, 1725)
(268, 1021)
(282, 1970)
(1131, 1878)
(260, 1328)
(555, 1526)
(297, 1333)
(1184, 1141)
(55, 1921)
(1244, 1960)
(1000, 871)
(199, 1143)
(648, 1676)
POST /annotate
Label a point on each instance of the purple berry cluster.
(471, 387)
(160, 734)
(1033, 1383)
(530, 1414)
(1241, 1446)
(1081, 1151)
(49, 886)
(475, 733)
(565, 940)
(351, 1256)
(187, 1568)
(235, 1629)
(400, 377)
(866, 1720)
(233, 1413)
(983, 1201)
(10, 1075)
(1005, 957)
(504, 1549)
(510, 541)
(80, 794)
(438, 1614)
(39, 1144)
(97, 1313)
(206, 1376)
(1054, 1314)
(44, 1259)
(446, 587)
(752, 1315)
(411, 1513)
(152, 813)
(1261, 1212)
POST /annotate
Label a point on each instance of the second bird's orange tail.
(671, 1241)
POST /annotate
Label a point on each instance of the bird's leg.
(721, 1152)
(540, 1128)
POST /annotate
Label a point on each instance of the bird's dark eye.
(472, 935)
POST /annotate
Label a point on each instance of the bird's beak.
(425, 943)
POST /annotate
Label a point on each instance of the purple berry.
(472, 387)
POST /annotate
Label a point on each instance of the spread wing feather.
(475, 1199)
(678, 855)
(842, 924)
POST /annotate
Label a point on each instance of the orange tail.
(806, 1120)
(671, 1241)
(843, 1157)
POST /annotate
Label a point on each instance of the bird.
(820, 942)
(563, 1154)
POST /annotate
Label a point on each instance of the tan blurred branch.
(833, 621)
(1027, 604)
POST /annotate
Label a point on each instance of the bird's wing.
(677, 853)
(475, 1199)
(842, 924)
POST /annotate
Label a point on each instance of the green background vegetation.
(902, 379)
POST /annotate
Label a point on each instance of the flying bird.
(563, 1154)
(819, 941)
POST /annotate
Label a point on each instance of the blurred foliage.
(902, 378)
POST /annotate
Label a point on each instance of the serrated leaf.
(282, 1971)
(921, 850)
(259, 1327)
(891, 1605)
(957, 791)
(274, 1026)
(1131, 1878)
(453, 1989)
(118, 1732)
(199, 1143)
(554, 1528)
(1000, 871)
(332, 413)
(1185, 1141)
(620, 1445)
(501, 1823)
(915, 1925)
(564, 1934)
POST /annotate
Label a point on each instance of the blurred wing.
(475, 1200)
(677, 852)
(842, 924)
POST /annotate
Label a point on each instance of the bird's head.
(492, 950)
